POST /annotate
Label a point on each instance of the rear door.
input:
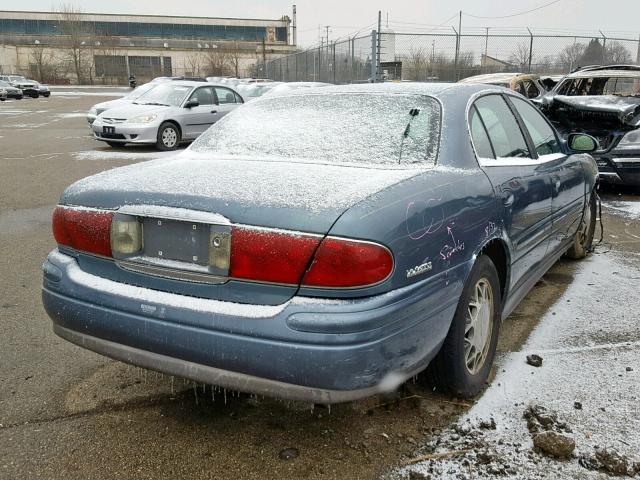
(567, 175)
(521, 182)
(198, 119)
(227, 100)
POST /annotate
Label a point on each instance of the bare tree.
(216, 62)
(194, 63)
(520, 56)
(417, 64)
(234, 57)
(616, 53)
(570, 56)
(41, 59)
(78, 38)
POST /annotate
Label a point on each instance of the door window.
(204, 96)
(502, 127)
(479, 136)
(225, 96)
(543, 136)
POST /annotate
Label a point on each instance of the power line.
(548, 4)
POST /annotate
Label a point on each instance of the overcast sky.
(346, 17)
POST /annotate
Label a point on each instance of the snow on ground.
(628, 209)
(77, 93)
(133, 154)
(71, 115)
(590, 345)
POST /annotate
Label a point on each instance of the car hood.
(295, 195)
(132, 110)
(120, 102)
(626, 109)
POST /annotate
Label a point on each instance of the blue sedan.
(325, 245)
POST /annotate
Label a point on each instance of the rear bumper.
(306, 349)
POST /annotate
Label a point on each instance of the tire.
(583, 239)
(115, 144)
(461, 368)
(168, 136)
(47, 95)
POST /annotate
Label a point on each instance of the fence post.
(455, 61)
(638, 54)
(353, 56)
(530, 49)
(319, 64)
(374, 49)
(334, 62)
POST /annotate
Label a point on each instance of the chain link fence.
(447, 57)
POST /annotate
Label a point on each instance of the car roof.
(438, 90)
(499, 77)
(605, 73)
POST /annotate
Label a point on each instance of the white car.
(168, 114)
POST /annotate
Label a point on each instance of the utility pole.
(486, 45)
(327, 29)
(294, 27)
(379, 46)
(458, 40)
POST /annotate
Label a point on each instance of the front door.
(198, 119)
(521, 182)
(567, 175)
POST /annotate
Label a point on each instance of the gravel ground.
(66, 412)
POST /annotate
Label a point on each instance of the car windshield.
(16, 78)
(335, 128)
(168, 94)
(139, 91)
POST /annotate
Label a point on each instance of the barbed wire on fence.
(448, 56)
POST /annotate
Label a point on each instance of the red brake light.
(342, 263)
(82, 229)
(270, 255)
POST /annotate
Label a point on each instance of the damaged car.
(527, 85)
(605, 103)
(325, 244)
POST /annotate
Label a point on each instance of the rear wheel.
(168, 136)
(583, 239)
(464, 362)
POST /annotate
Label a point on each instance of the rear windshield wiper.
(414, 112)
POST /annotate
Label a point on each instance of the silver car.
(132, 96)
(170, 113)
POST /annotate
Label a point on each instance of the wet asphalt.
(69, 413)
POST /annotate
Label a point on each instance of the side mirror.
(192, 103)
(581, 142)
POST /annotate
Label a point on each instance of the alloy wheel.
(479, 326)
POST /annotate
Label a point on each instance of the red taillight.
(342, 263)
(82, 229)
(270, 255)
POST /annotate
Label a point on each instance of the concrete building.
(70, 47)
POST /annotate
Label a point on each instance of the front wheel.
(583, 239)
(464, 362)
(168, 137)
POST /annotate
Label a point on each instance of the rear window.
(622, 86)
(336, 128)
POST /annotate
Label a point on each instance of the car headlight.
(142, 118)
(630, 140)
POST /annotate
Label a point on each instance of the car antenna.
(414, 112)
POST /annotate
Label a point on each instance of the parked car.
(43, 90)
(98, 108)
(605, 103)
(3, 94)
(525, 84)
(12, 92)
(325, 245)
(251, 91)
(28, 87)
(170, 113)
